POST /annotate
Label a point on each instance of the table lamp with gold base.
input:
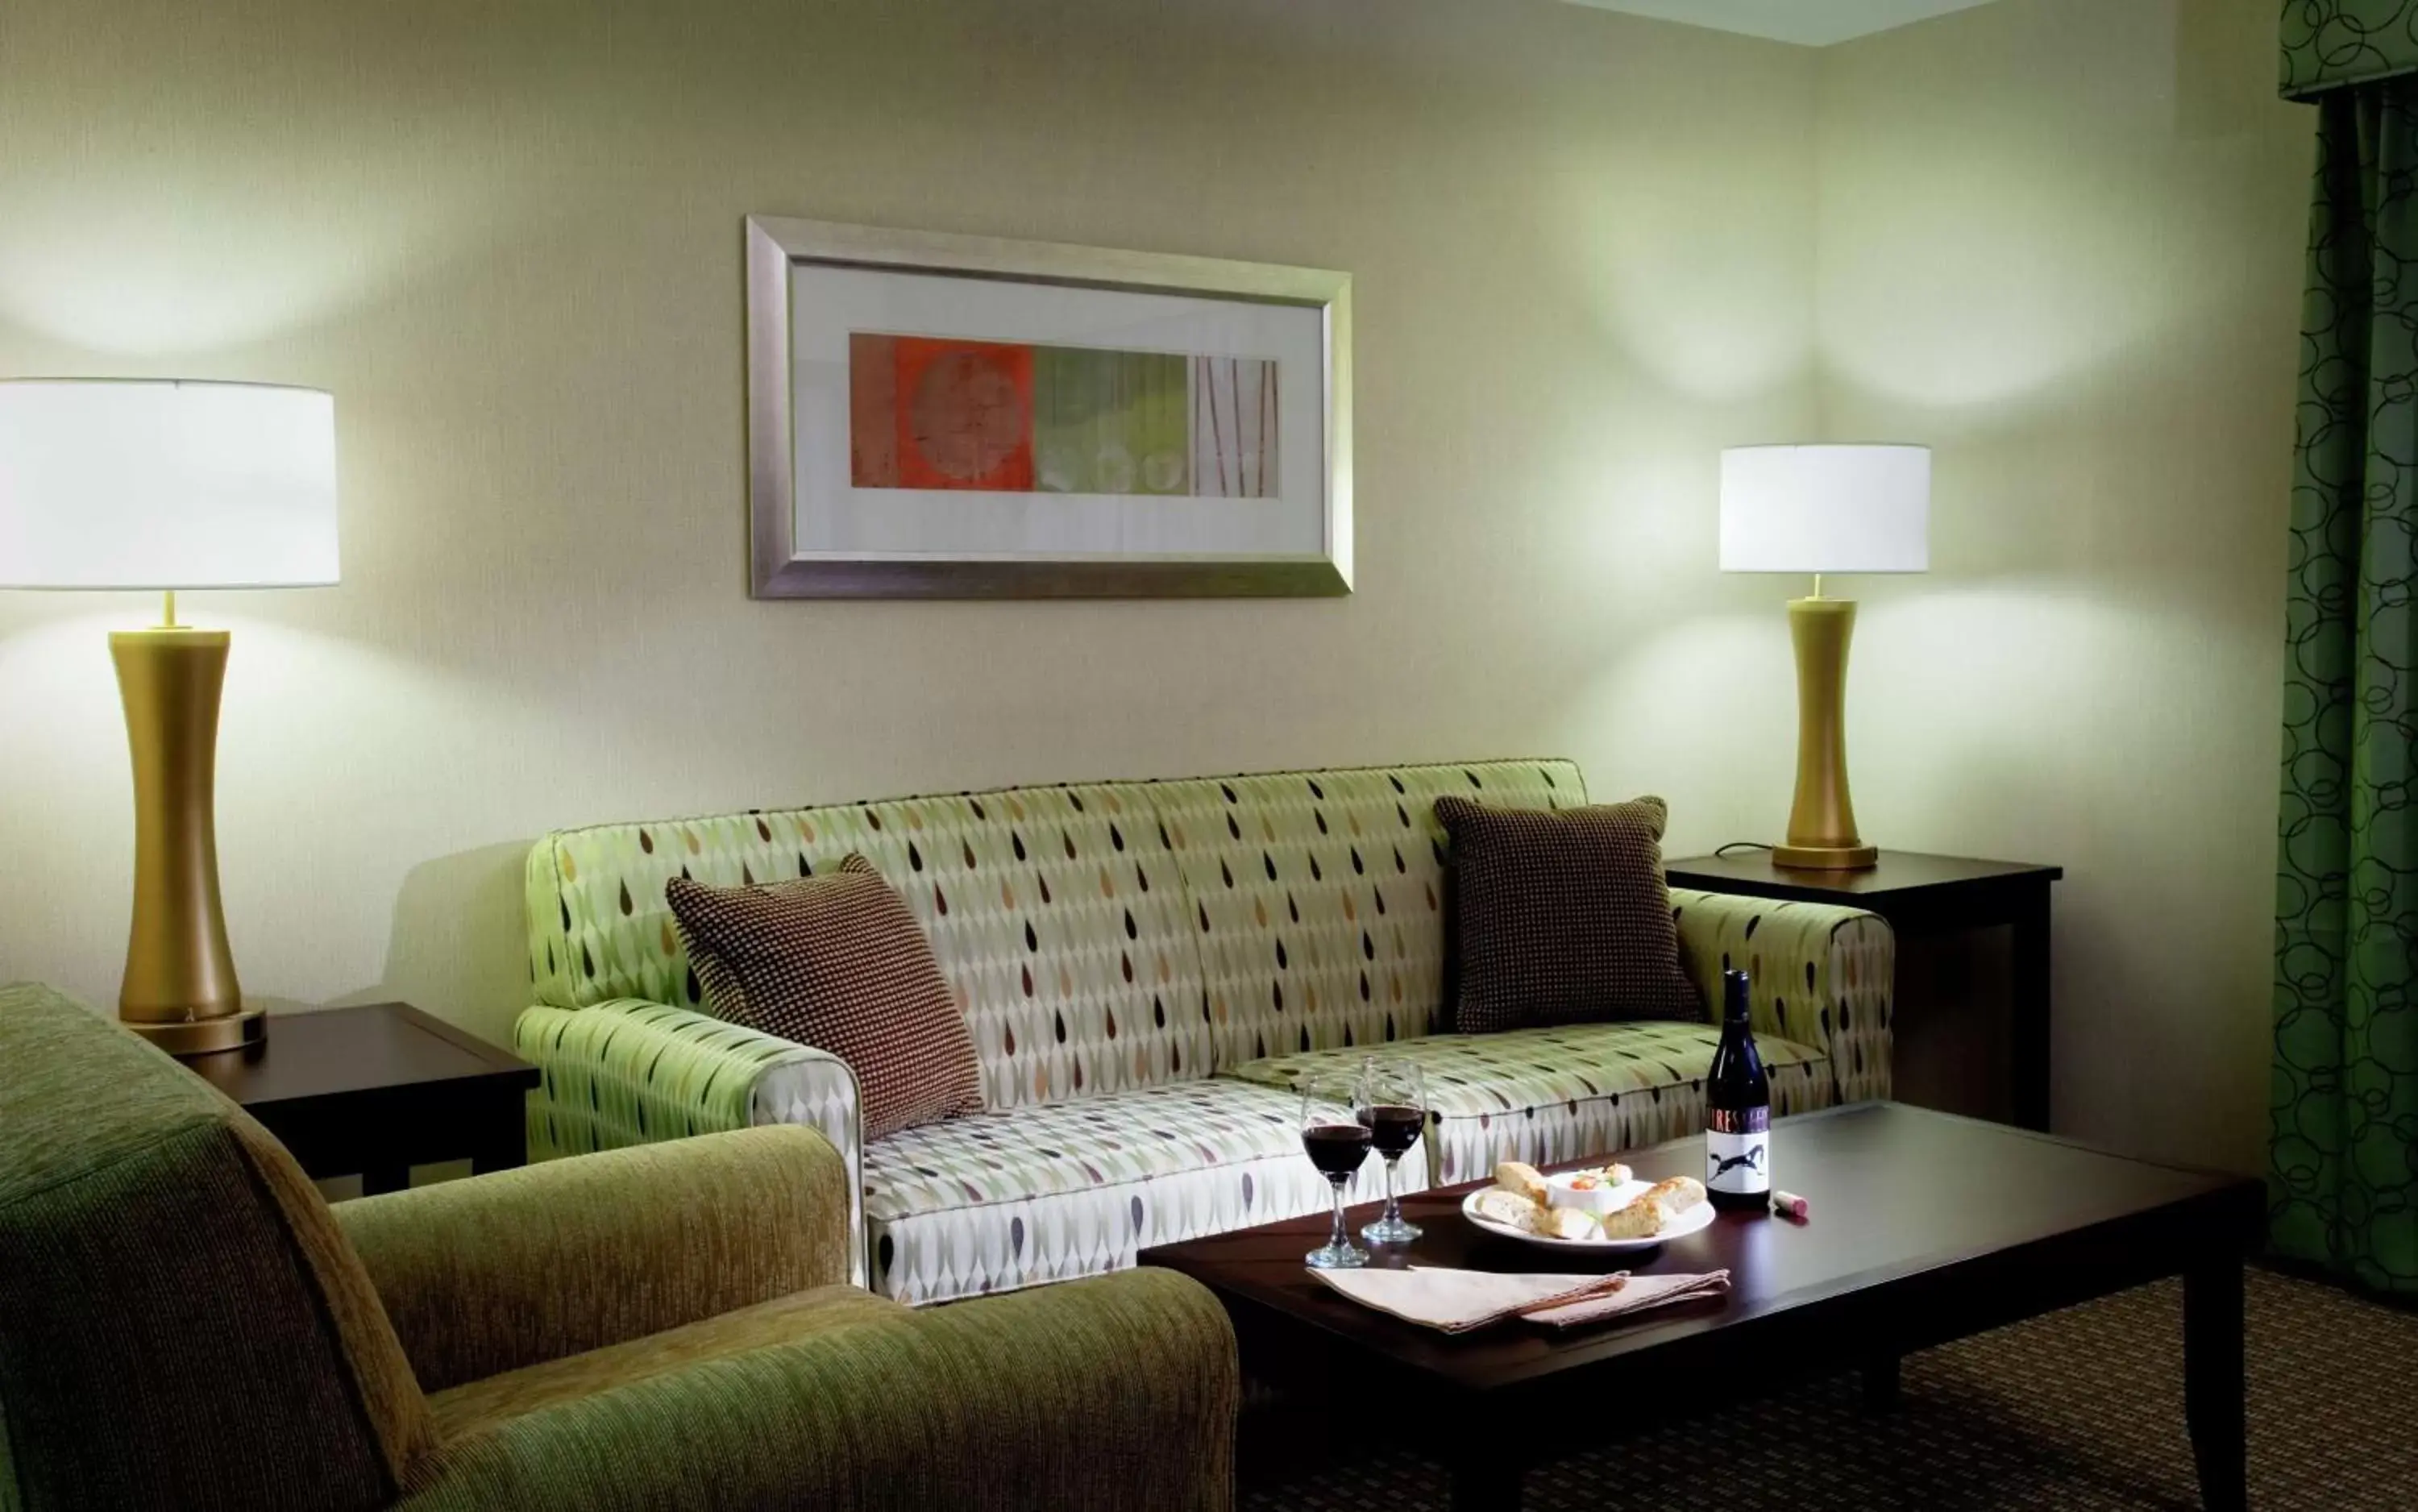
(1824, 509)
(141, 484)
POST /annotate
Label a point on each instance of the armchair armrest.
(1118, 1392)
(628, 1072)
(500, 1270)
(1823, 975)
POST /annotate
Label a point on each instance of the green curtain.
(2343, 1177)
(2329, 43)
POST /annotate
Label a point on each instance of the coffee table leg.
(1880, 1384)
(1485, 1486)
(2212, 1383)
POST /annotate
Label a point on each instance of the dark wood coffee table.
(1925, 1228)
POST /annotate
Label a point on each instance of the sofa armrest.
(504, 1269)
(1118, 1392)
(627, 1073)
(1823, 975)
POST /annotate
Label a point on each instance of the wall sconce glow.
(142, 483)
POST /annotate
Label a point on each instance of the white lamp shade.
(1826, 509)
(136, 484)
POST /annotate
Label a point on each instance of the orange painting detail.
(928, 412)
(931, 413)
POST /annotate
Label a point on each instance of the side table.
(378, 1090)
(1923, 894)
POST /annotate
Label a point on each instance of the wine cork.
(1788, 1205)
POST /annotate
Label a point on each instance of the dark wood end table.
(1925, 1228)
(378, 1090)
(1923, 894)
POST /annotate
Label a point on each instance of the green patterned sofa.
(1144, 967)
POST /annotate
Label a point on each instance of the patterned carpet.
(2082, 1409)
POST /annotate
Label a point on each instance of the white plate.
(1694, 1220)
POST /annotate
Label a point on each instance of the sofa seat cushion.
(476, 1405)
(1058, 1190)
(1567, 1092)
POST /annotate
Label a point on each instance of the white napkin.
(1637, 1294)
(1455, 1301)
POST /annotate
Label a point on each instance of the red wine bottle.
(1737, 1109)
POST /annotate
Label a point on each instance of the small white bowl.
(1606, 1196)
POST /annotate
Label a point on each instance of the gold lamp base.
(1822, 820)
(204, 1036)
(1826, 857)
(180, 990)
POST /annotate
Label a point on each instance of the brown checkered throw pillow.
(836, 962)
(1561, 916)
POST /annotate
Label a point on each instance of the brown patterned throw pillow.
(1561, 916)
(836, 962)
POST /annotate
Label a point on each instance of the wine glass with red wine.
(1337, 1143)
(1394, 1110)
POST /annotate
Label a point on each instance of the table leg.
(2212, 1383)
(1881, 1384)
(1485, 1486)
(2030, 1010)
(503, 1137)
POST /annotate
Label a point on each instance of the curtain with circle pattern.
(2342, 1182)
(2331, 43)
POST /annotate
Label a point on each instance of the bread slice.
(1502, 1205)
(1520, 1177)
(1678, 1194)
(1641, 1219)
(1564, 1223)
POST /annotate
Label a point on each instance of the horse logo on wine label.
(1752, 1160)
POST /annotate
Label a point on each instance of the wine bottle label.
(1737, 1150)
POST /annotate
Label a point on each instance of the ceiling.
(1810, 22)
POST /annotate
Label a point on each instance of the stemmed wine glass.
(1337, 1142)
(1394, 1110)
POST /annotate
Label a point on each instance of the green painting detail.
(1110, 423)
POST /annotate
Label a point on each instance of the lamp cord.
(1739, 844)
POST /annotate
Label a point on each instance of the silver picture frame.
(782, 569)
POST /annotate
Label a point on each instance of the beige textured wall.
(508, 237)
(2060, 240)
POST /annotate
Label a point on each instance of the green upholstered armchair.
(184, 1322)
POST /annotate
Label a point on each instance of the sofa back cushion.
(1096, 937)
(1056, 914)
(179, 1315)
(1319, 898)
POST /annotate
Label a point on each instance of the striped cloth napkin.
(1455, 1302)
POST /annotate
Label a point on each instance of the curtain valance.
(2329, 43)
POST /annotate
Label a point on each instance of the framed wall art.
(936, 416)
